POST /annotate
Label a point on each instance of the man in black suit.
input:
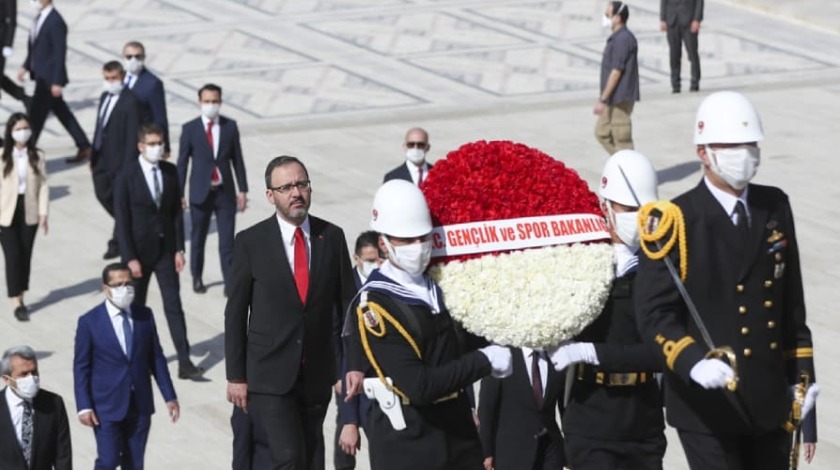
(745, 278)
(212, 142)
(117, 121)
(518, 415)
(34, 430)
(289, 274)
(148, 88)
(8, 24)
(150, 227)
(415, 169)
(46, 64)
(681, 19)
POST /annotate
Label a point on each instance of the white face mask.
(122, 296)
(27, 387)
(133, 65)
(153, 153)
(210, 110)
(36, 5)
(21, 136)
(625, 225)
(606, 22)
(368, 267)
(735, 165)
(413, 259)
(113, 88)
(415, 156)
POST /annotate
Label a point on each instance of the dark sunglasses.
(134, 56)
(419, 145)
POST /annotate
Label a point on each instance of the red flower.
(496, 180)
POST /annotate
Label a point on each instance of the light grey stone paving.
(337, 83)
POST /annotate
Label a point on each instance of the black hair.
(148, 128)
(365, 239)
(210, 87)
(113, 267)
(622, 10)
(9, 143)
(280, 161)
(113, 65)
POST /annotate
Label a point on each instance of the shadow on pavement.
(85, 287)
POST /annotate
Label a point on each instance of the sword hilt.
(726, 352)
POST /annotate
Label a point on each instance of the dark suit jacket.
(141, 225)
(194, 145)
(510, 418)
(148, 89)
(105, 378)
(51, 439)
(8, 22)
(266, 348)
(681, 12)
(401, 173)
(46, 57)
(119, 135)
(750, 298)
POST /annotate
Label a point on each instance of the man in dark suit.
(681, 19)
(289, 273)
(745, 279)
(212, 142)
(8, 24)
(150, 228)
(34, 431)
(148, 88)
(117, 352)
(117, 121)
(46, 64)
(518, 415)
(415, 169)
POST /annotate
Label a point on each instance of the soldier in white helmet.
(739, 263)
(418, 364)
(613, 417)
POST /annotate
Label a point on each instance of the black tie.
(743, 224)
(26, 432)
(536, 378)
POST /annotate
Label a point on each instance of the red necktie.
(536, 379)
(215, 178)
(301, 265)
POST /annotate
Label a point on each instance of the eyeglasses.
(419, 145)
(300, 185)
(134, 56)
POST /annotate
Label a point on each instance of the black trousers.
(200, 214)
(586, 453)
(170, 291)
(103, 188)
(677, 36)
(42, 103)
(294, 427)
(18, 240)
(250, 444)
(768, 451)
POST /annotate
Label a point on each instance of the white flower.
(534, 298)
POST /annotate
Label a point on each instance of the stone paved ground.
(337, 83)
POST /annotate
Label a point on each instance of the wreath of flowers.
(533, 297)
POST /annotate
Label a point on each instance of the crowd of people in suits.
(292, 342)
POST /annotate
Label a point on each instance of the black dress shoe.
(675, 90)
(22, 313)
(81, 156)
(199, 287)
(111, 253)
(190, 372)
(694, 88)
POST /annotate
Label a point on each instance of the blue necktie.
(126, 333)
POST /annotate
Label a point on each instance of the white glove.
(711, 373)
(573, 353)
(8, 51)
(500, 361)
(810, 399)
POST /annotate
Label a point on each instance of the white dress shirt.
(287, 231)
(117, 322)
(130, 80)
(43, 15)
(22, 162)
(149, 175)
(15, 404)
(626, 260)
(414, 171)
(543, 365)
(108, 106)
(728, 201)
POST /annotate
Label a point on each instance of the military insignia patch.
(775, 236)
(371, 318)
(779, 271)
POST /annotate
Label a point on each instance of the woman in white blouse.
(24, 199)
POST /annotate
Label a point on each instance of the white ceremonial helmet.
(624, 169)
(727, 117)
(400, 210)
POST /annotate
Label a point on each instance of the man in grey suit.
(680, 19)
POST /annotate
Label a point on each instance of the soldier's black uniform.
(614, 415)
(748, 291)
(440, 432)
